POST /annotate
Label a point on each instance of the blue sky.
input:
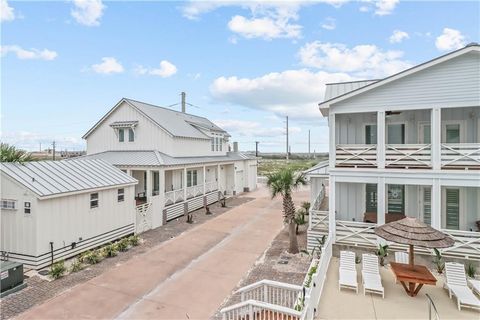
(246, 66)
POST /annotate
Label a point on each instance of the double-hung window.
(93, 200)
(121, 195)
(121, 135)
(371, 134)
(8, 204)
(191, 178)
(131, 135)
(27, 207)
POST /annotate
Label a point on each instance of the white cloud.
(329, 24)
(265, 27)
(6, 12)
(361, 61)
(450, 39)
(295, 93)
(253, 128)
(108, 65)
(31, 54)
(398, 36)
(88, 12)
(385, 7)
(166, 69)
(31, 141)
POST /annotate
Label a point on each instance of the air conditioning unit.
(11, 274)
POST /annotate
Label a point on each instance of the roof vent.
(33, 179)
(472, 44)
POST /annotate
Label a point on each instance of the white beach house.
(408, 144)
(182, 161)
(58, 209)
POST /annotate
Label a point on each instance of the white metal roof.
(52, 178)
(155, 158)
(178, 124)
(334, 90)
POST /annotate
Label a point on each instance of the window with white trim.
(121, 135)
(9, 204)
(27, 206)
(93, 200)
(216, 142)
(121, 195)
(131, 135)
(191, 178)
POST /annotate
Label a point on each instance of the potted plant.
(382, 253)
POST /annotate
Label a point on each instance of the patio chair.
(371, 279)
(456, 284)
(401, 257)
(347, 272)
(475, 285)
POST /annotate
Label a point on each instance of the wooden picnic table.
(412, 278)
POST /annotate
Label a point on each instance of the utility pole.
(287, 140)
(309, 143)
(184, 102)
(40, 147)
(256, 148)
(53, 146)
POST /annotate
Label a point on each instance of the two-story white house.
(182, 161)
(406, 145)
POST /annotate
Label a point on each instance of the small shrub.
(93, 257)
(123, 244)
(110, 250)
(310, 274)
(306, 206)
(382, 253)
(438, 261)
(76, 266)
(58, 269)
(134, 240)
(471, 270)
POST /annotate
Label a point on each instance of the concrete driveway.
(187, 277)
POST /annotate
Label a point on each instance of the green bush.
(92, 257)
(110, 250)
(471, 270)
(134, 240)
(382, 253)
(76, 265)
(438, 261)
(58, 269)
(123, 244)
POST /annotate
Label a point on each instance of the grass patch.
(268, 166)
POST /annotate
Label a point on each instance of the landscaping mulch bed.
(271, 265)
(39, 290)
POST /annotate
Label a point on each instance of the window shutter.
(427, 206)
(371, 197)
(453, 209)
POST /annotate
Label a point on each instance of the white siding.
(452, 83)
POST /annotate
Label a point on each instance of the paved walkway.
(186, 277)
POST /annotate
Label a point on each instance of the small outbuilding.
(58, 209)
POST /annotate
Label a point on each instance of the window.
(27, 207)
(220, 144)
(156, 183)
(213, 143)
(131, 135)
(121, 135)
(427, 134)
(396, 198)
(121, 195)
(93, 200)
(216, 142)
(453, 209)
(371, 134)
(427, 206)
(191, 178)
(396, 134)
(8, 204)
(371, 197)
(453, 133)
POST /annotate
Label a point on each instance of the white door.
(239, 183)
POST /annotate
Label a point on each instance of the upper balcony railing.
(356, 155)
(408, 156)
(460, 155)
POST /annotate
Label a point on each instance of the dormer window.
(124, 130)
(216, 142)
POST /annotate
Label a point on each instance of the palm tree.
(283, 182)
(10, 153)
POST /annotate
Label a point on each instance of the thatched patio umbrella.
(414, 233)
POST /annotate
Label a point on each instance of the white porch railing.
(467, 244)
(356, 155)
(274, 292)
(318, 220)
(460, 155)
(143, 208)
(211, 186)
(194, 191)
(408, 155)
(355, 233)
(141, 219)
(172, 197)
(258, 310)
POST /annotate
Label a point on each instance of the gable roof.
(324, 106)
(54, 178)
(175, 123)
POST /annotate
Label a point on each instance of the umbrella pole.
(411, 256)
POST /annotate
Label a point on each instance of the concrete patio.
(346, 304)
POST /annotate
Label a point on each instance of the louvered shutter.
(453, 209)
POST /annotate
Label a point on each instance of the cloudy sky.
(245, 66)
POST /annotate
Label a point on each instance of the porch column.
(129, 172)
(148, 183)
(204, 181)
(234, 191)
(218, 177)
(381, 139)
(381, 201)
(436, 138)
(185, 184)
(332, 138)
(436, 204)
(332, 208)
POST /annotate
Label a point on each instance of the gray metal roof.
(320, 168)
(334, 90)
(155, 158)
(49, 178)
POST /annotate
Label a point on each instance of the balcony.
(460, 156)
(356, 155)
(406, 156)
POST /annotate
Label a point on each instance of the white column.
(218, 178)
(436, 138)
(381, 139)
(148, 183)
(204, 180)
(381, 201)
(332, 208)
(234, 179)
(436, 205)
(332, 139)
(129, 172)
(184, 184)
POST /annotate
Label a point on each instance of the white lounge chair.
(456, 283)
(347, 272)
(372, 281)
(401, 257)
(475, 285)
